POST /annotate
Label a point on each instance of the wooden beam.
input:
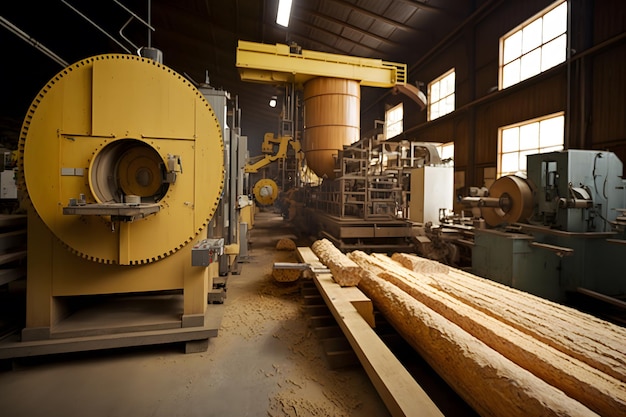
(402, 395)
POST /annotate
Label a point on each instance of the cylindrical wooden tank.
(331, 120)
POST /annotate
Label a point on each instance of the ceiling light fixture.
(284, 10)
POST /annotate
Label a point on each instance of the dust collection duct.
(332, 95)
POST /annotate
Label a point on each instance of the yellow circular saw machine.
(122, 160)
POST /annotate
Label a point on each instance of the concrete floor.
(265, 361)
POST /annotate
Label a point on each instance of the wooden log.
(489, 382)
(419, 264)
(593, 388)
(345, 272)
(286, 274)
(588, 339)
(286, 244)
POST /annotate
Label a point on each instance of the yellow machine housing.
(123, 162)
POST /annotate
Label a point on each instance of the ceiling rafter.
(349, 26)
(375, 16)
(430, 8)
(353, 42)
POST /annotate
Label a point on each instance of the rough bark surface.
(345, 272)
(592, 387)
(418, 264)
(489, 382)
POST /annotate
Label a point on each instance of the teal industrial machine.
(558, 232)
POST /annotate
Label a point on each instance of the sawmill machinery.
(559, 232)
(331, 91)
(284, 153)
(123, 164)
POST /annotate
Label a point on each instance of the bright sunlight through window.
(531, 137)
(393, 121)
(441, 95)
(536, 46)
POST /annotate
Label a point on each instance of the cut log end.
(345, 271)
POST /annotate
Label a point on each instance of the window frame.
(539, 48)
(539, 149)
(400, 121)
(440, 99)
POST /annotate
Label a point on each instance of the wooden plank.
(401, 393)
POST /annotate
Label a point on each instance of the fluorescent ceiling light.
(284, 10)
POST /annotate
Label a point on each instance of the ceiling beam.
(375, 16)
(427, 7)
(300, 21)
(349, 26)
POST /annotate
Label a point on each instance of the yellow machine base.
(118, 322)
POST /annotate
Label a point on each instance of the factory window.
(446, 152)
(441, 95)
(534, 136)
(393, 121)
(536, 46)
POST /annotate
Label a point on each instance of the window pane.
(538, 45)
(434, 92)
(447, 85)
(446, 150)
(434, 111)
(510, 162)
(531, 64)
(555, 22)
(512, 47)
(551, 131)
(523, 160)
(510, 139)
(531, 36)
(553, 53)
(529, 136)
(511, 74)
(448, 105)
(441, 100)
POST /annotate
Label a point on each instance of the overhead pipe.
(20, 33)
(95, 25)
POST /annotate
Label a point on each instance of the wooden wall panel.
(608, 120)
(596, 93)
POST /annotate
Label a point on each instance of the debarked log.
(492, 384)
(345, 272)
(590, 386)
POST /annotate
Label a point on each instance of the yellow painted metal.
(276, 64)
(267, 147)
(139, 172)
(265, 191)
(144, 111)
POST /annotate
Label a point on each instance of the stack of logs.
(505, 352)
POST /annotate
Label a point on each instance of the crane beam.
(280, 64)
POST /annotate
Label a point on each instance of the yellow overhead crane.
(332, 95)
(282, 64)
